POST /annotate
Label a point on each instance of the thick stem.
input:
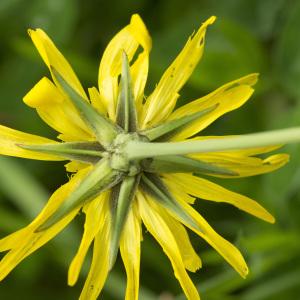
(139, 150)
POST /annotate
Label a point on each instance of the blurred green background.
(249, 36)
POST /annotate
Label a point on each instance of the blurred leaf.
(56, 17)
(273, 286)
(26, 193)
(283, 184)
(287, 53)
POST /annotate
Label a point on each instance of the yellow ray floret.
(128, 40)
(162, 233)
(130, 248)
(163, 99)
(57, 111)
(117, 185)
(10, 139)
(207, 190)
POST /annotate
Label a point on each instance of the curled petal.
(57, 111)
(53, 58)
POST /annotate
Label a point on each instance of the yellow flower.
(118, 192)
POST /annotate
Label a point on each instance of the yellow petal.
(57, 111)
(97, 101)
(228, 97)
(93, 223)
(191, 260)
(229, 252)
(178, 192)
(10, 138)
(207, 190)
(52, 57)
(166, 92)
(10, 240)
(75, 166)
(128, 40)
(139, 75)
(244, 166)
(26, 240)
(156, 225)
(100, 262)
(130, 247)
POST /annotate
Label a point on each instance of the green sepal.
(183, 164)
(87, 152)
(99, 179)
(122, 197)
(103, 128)
(166, 130)
(126, 110)
(154, 186)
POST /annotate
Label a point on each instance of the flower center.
(118, 157)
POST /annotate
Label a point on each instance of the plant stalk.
(140, 150)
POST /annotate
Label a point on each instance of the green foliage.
(249, 36)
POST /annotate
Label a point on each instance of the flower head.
(120, 180)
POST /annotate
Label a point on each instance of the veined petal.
(162, 101)
(130, 248)
(244, 166)
(10, 138)
(53, 57)
(207, 190)
(128, 40)
(156, 225)
(26, 241)
(93, 223)
(57, 111)
(100, 262)
(228, 97)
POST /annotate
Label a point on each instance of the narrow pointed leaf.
(103, 128)
(153, 185)
(89, 152)
(100, 178)
(126, 110)
(166, 130)
(183, 164)
(122, 198)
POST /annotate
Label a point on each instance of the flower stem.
(139, 150)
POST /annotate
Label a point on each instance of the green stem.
(139, 150)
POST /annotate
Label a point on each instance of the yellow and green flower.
(136, 160)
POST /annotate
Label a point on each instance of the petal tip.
(211, 20)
